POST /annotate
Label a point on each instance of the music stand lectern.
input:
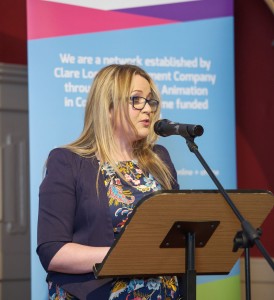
(153, 239)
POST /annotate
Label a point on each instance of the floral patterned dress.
(123, 195)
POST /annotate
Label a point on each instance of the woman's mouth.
(145, 122)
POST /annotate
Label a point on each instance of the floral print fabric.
(123, 195)
(161, 288)
(57, 293)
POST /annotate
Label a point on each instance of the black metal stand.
(245, 238)
(247, 274)
(190, 276)
(189, 235)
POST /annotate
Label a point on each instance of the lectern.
(155, 240)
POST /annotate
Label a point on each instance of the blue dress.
(123, 195)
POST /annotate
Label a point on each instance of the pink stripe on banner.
(49, 19)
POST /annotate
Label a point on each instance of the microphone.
(165, 127)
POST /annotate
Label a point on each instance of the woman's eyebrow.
(140, 91)
(137, 91)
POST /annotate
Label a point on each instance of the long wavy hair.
(110, 91)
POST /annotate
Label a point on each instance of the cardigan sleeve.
(57, 204)
(162, 152)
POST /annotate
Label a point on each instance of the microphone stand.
(244, 238)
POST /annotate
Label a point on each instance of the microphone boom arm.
(245, 238)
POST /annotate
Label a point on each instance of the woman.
(92, 185)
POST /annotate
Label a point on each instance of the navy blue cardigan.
(71, 211)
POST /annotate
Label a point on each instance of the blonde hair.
(110, 91)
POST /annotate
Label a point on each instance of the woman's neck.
(123, 155)
(123, 152)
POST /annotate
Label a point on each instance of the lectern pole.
(190, 275)
(189, 235)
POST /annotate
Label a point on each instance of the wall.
(14, 183)
(254, 56)
(254, 74)
(13, 32)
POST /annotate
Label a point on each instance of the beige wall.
(262, 279)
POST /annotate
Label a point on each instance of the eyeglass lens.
(139, 102)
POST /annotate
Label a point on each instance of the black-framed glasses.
(139, 103)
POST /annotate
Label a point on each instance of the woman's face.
(141, 119)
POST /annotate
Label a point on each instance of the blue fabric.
(57, 293)
(123, 194)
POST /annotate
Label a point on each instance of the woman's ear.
(111, 113)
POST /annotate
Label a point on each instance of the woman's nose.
(147, 108)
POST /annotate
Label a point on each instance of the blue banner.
(190, 57)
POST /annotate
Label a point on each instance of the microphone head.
(160, 127)
(198, 130)
(165, 128)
